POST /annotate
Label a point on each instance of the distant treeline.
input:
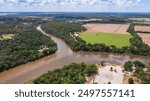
(23, 19)
(25, 46)
(63, 30)
(108, 20)
(70, 74)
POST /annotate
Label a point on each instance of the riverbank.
(64, 56)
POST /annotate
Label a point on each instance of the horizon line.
(65, 12)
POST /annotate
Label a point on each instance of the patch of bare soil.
(142, 28)
(145, 38)
(107, 28)
(89, 79)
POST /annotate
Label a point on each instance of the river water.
(92, 57)
(64, 56)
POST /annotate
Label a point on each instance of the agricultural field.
(145, 38)
(145, 29)
(109, 34)
(144, 33)
(118, 40)
(107, 28)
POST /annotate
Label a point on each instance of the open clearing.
(106, 75)
(118, 40)
(145, 38)
(7, 36)
(107, 28)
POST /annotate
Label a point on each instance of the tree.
(89, 70)
(139, 71)
(128, 66)
(109, 82)
(139, 64)
(149, 64)
(130, 81)
(111, 69)
(69, 74)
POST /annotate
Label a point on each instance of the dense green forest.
(63, 30)
(139, 70)
(27, 44)
(69, 74)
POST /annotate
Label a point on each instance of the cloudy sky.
(75, 5)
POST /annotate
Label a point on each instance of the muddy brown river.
(64, 56)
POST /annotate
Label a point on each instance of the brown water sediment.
(64, 56)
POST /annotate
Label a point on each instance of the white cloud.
(2, 1)
(117, 3)
(121, 3)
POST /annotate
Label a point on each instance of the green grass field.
(118, 40)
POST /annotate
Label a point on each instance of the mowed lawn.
(118, 40)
